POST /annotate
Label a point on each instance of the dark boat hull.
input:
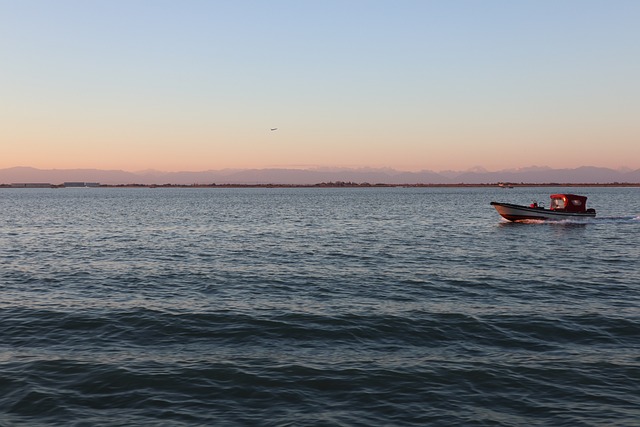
(524, 213)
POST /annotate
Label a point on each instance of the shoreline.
(331, 185)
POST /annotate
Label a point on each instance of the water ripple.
(308, 307)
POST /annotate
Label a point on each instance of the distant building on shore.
(80, 184)
(31, 185)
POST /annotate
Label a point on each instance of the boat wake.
(578, 221)
(619, 219)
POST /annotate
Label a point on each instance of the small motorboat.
(563, 206)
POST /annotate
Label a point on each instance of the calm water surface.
(314, 307)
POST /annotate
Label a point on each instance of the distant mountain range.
(532, 175)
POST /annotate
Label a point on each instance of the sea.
(375, 306)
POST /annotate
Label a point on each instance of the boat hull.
(524, 213)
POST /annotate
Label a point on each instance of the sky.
(196, 85)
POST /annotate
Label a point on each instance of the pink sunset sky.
(409, 85)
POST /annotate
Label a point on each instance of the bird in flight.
(274, 129)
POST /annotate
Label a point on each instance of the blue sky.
(412, 85)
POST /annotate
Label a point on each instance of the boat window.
(557, 204)
(576, 202)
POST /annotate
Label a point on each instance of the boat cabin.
(568, 203)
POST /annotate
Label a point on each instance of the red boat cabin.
(568, 203)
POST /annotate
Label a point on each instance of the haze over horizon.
(408, 85)
(531, 175)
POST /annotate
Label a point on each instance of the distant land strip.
(338, 184)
